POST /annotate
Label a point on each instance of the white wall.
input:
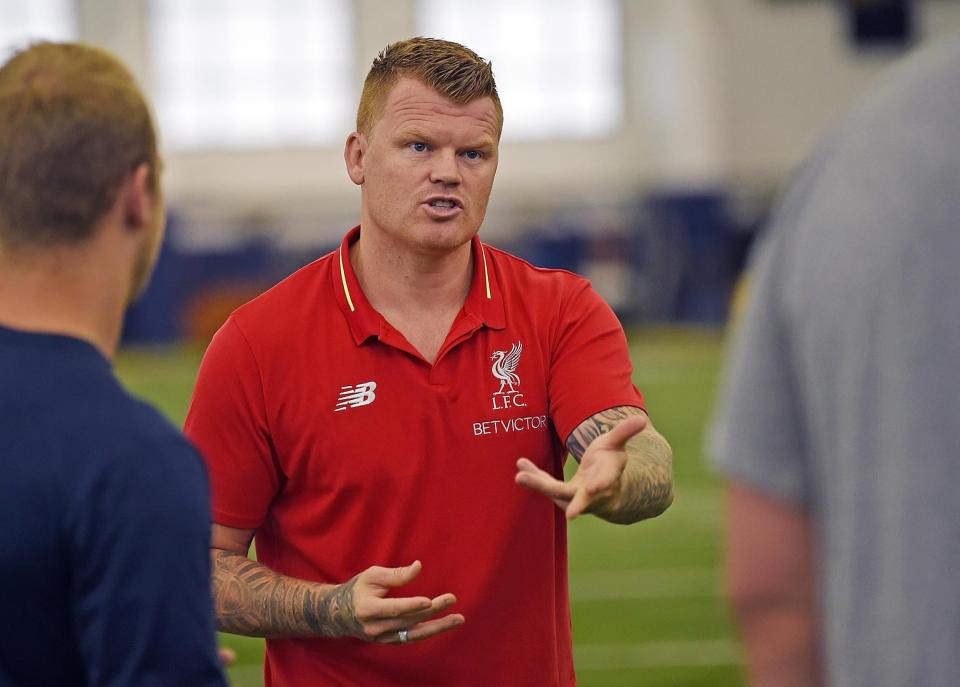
(790, 72)
(717, 91)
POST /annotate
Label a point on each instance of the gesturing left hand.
(597, 484)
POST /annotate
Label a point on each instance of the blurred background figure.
(644, 142)
(103, 564)
(836, 424)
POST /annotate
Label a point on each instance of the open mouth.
(443, 208)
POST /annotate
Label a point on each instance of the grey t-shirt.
(842, 392)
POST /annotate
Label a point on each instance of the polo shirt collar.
(484, 300)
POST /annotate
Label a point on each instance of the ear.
(137, 198)
(353, 154)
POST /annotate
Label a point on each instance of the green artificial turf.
(646, 599)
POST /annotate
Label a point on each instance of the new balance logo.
(356, 396)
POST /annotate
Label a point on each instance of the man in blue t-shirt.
(104, 507)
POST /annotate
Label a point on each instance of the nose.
(445, 169)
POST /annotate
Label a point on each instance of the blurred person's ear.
(138, 198)
(353, 154)
(141, 204)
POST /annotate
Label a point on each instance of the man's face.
(427, 168)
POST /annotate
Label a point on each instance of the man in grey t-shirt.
(838, 423)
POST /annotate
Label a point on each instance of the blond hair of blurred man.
(412, 397)
(837, 423)
(103, 553)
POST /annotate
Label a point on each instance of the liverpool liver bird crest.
(505, 366)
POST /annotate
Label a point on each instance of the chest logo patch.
(355, 396)
(504, 370)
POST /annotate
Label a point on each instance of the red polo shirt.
(330, 435)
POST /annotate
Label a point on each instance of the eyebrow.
(486, 144)
(414, 132)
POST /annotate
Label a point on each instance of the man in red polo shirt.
(412, 396)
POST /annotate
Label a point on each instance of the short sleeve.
(590, 367)
(756, 435)
(138, 536)
(227, 422)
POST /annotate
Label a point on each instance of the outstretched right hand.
(364, 611)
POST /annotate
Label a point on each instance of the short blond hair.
(73, 125)
(453, 70)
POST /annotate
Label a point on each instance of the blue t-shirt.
(104, 528)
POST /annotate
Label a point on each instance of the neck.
(65, 292)
(396, 280)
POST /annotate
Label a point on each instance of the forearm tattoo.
(250, 599)
(648, 475)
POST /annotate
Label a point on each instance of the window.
(24, 22)
(557, 62)
(251, 74)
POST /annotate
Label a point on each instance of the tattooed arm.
(645, 486)
(625, 472)
(251, 599)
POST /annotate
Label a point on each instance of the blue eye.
(418, 147)
(473, 154)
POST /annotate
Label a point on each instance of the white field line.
(655, 583)
(695, 505)
(704, 652)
